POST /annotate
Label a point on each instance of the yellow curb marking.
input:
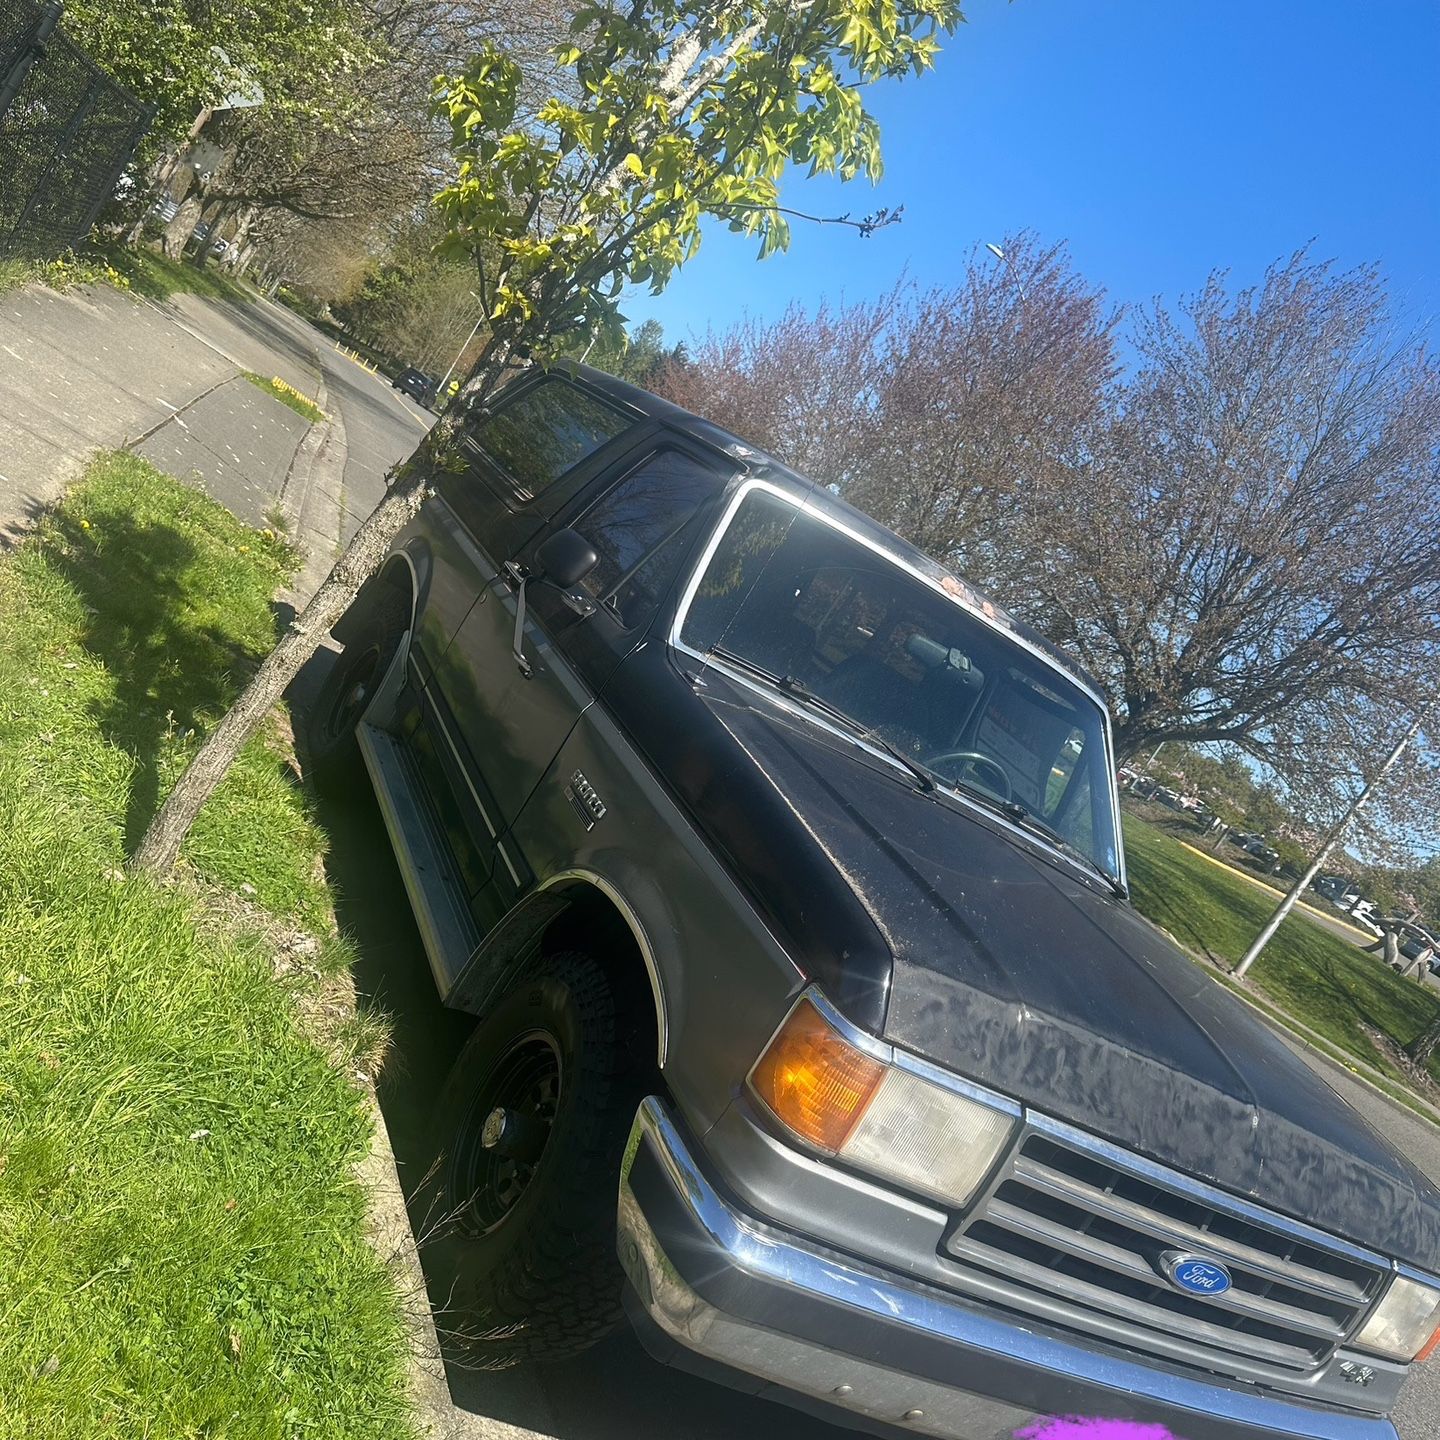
(1365, 935)
(356, 357)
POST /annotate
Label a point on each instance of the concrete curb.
(308, 499)
(390, 1234)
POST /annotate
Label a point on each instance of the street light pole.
(443, 391)
(1332, 839)
(1009, 264)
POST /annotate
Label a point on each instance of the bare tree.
(1245, 552)
(951, 413)
(1237, 537)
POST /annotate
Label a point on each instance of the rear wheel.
(332, 749)
(517, 1212)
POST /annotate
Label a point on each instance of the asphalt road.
(382, 425)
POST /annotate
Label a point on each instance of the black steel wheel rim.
(357, 680)
(490, 1169)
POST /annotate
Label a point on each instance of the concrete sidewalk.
(98, 368)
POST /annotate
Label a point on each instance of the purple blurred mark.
(1078, 1427)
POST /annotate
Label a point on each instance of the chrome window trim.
(692, 584)
(1205, 1194)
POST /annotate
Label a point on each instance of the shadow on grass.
(169, 672)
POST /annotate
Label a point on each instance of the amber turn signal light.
(816, 1083)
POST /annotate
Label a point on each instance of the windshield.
(796, 597)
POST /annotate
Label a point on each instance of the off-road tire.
(544, 1282)
(332, 751)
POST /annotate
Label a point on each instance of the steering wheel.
(973, 758)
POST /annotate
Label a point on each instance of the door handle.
(519, 577)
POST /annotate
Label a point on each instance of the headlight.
(872, 1115)
(1406, 1323)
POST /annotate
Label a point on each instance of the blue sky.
(1160, 138)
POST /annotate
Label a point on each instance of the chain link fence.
(67, 133)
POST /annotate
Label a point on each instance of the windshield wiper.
(798, 690)
(1032, 821)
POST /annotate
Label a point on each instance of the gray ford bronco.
(782, 874)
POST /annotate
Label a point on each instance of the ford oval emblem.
(1194, 1274)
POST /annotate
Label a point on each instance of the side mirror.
(565, 558)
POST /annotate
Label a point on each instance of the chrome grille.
(1077, 1232)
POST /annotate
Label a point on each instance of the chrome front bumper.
(813, 1326)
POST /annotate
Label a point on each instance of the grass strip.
(139, 270)
(1306, 972)
(300, 403)
(181, 1234)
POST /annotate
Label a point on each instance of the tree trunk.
(160, 847)
(242, 247)
(1422, 1047)
(182, 227)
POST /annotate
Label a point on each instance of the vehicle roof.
(759, 462)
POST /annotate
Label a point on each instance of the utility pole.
(1332, 839)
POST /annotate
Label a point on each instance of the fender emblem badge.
(585, 800)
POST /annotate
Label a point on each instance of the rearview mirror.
(565, 558)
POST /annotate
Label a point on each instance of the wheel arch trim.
(579, 876)
(503, 953)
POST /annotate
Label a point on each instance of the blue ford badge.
(1194, 1274)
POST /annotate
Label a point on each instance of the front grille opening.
(1146, 1250)
(1094, 1247)
(1006, 1242)
(1223, 1227)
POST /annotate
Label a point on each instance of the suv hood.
(1012, 969)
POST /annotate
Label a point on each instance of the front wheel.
(332, 750)
(517, 1212)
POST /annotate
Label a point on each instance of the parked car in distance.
(1258, 849)
(418, 385)
(1337, 889)
(782, 875)
(1366, 916)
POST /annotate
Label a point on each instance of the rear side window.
(546, 430)
(636, 528)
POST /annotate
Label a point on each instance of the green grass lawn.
(287, 395)
(181, 1235)
(1329, 985)
(141, 271)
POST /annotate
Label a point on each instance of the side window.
(636, 528)
(544, 431)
